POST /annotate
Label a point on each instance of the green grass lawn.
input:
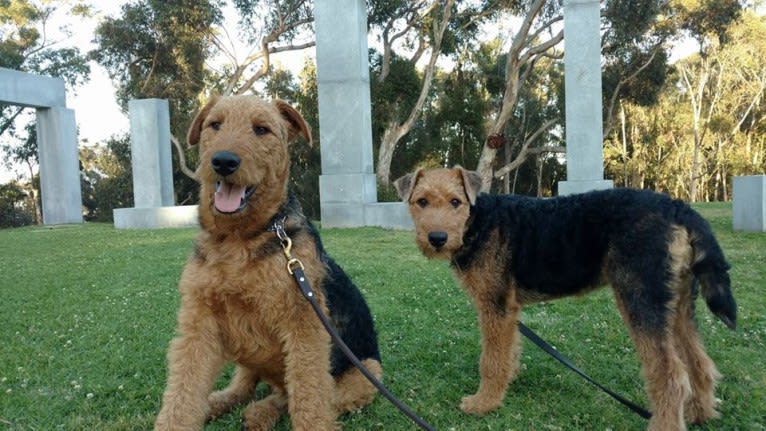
(86, 314)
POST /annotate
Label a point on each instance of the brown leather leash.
(295, 268)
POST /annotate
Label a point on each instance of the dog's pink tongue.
(228, 197)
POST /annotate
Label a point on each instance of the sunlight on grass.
(87, 312)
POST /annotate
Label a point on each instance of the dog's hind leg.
(702, 371)
(239, 390)
(262, 415)
(352, 389)
(665, 374)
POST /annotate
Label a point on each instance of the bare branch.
(525, 150)
(8, 122)
(613, 100)
(520, 39)
(182, 159)
(543, 47)
(422, 45)
(412, 18)
(298, 47)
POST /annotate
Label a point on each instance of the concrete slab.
(749, 203)
(155, 218)
(26, 89)
(390, 215)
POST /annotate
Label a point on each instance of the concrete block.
(749, 203)
(59, 166)
(342, 215)
(154, 218)
(348, 188)
(390, 215)
(341, 31)
(26, 89)
(150, 151)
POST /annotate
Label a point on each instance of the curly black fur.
(562, 246)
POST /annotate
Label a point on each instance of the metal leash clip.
(287, 246)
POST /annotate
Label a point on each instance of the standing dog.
(238, 301)
(510, 251)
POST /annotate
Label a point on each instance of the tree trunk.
(394, 132)
(520, 55)
(391, 136)
(695, 166)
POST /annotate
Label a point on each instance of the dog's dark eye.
(260, 130)
(455, 202)
(422, 202)
(216, 125)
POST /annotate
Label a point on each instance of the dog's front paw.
(478, 405)
(219, 403)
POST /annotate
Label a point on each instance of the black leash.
(564, 360)
(295, 268)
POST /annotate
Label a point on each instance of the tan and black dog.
(510, 251)
(238, 301)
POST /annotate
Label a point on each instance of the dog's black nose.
(437, 239)
(225, 163)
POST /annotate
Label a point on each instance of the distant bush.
(15, 206)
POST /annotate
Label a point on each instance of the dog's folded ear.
(471, 183)
(405, 184)
(296, 124)
(196, 126)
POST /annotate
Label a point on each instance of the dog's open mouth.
(231, 198)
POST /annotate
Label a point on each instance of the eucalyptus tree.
(158, 49)
(637, 36)
(701, 75)
(182, 50)
(723, 87)
(428, 21)
(29, 44)
(266, 27)
(709, 119)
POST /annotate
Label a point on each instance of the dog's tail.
(710, 267)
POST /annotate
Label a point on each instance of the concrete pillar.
(582, 81)
(348, 181)
(749, 203)
(59, 166)
(151, 161)
(150, 153)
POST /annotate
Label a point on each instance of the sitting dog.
(510, 251)
(240, 304)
